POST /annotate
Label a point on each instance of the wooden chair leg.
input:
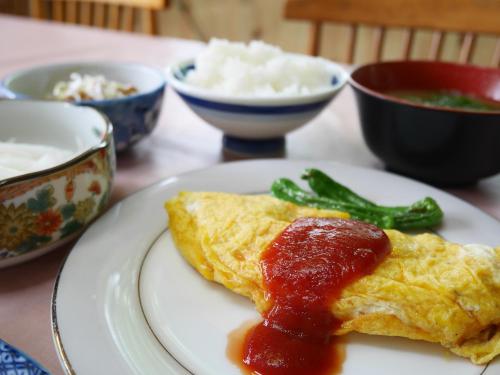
(86, 13)
(408, 43)
(99, 15)
(436, 45)
(71, 12)
(114, 17)
(58, 11)
(315, 39)
(467, 48)
(128, 18)
(378, 43)
(495, 59)
(149, 24)
(353, 34)
(36, 9)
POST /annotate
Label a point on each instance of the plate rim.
(56, 336)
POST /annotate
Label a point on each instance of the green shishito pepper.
(329, 194)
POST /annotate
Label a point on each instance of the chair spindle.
(37, 9)
(436, 45)
(114, 17)
(86, 13)
(352, 38)
(128, 18)
(58, 10)
(409, 37)
(467, 48)
(495, 59)
(99, 15)
(315, 39)
(71, 12)
(378, 42)
(148, 22)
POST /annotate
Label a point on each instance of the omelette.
(425, 289)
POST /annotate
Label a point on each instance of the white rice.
(258, 69)
(20, 158)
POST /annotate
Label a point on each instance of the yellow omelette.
(426, 289)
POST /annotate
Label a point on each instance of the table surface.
(181, 142)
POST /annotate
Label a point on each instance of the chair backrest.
(112, 14)
(469, 17)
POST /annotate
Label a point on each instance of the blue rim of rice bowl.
(248, 109)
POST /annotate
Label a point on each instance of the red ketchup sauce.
(305, 269)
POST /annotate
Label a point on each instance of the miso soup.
(448, 99)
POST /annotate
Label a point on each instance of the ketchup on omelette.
(305, 269)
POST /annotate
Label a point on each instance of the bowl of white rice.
(255, 93)
(57, 162)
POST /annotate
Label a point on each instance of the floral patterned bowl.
(41, 210)
(133, 117)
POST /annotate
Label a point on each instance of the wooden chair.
(113, 14)
(468, 17)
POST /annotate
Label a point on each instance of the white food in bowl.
(20, 158)
(259, 69)
(90, 87)
(47, 132)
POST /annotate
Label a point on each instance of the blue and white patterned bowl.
(133, 117)
(15, 362)
(252, 118)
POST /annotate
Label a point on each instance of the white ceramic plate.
(126, 303)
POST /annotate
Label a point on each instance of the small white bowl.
(251, 117)
(41, 210)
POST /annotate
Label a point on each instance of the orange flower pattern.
(49, 214)
(95, 187)
(69, 190)
(48, 222)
